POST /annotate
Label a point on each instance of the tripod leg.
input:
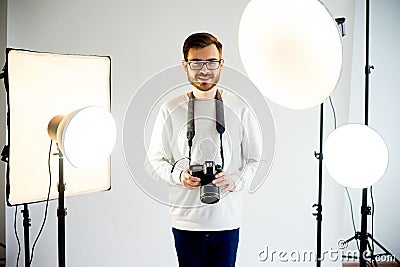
(356, 237)
(352, 238)
(383, 248)
(373, 259)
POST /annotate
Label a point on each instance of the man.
(205, 234)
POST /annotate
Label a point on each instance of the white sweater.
(242, 144)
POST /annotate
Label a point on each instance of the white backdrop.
(125, 227)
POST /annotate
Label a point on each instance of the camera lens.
(209, 194)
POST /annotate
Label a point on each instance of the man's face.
(203, 79)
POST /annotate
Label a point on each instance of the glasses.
(198, 65)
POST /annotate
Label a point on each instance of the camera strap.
(219, 122)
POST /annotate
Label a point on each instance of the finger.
(225, 183)
(188, 185)
(220, 174)
(187, 177)
(191, 182)
(227, 188)
(220, 181)
(185, 174)
(194, 183)
(194, 179)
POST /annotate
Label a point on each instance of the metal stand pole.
(26, 224)
(365, 210)
(320, 157)
(318, 206)
(61, 212)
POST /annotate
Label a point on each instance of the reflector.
(291, 50)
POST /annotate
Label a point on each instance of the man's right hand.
(189, 181)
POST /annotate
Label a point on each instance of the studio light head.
(356, 156)
(86, 136)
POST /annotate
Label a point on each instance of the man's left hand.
(223, 180)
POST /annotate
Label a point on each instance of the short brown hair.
(200, 40)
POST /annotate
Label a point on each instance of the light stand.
(61, 211)
(319, 156)
(363, 235)
(365, 209)
(25, 212)
(69, 131)
(26, 223)
(318, 206)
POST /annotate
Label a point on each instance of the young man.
(191, 127)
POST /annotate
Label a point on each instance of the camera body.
(209, 193)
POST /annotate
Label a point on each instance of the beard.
(204, 82)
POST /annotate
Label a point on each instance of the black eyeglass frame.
(206, 62)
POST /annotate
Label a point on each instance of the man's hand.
(189, 181)
(224, 181)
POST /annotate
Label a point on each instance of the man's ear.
(185, 65)
(222, 63)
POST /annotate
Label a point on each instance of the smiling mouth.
(204, 78)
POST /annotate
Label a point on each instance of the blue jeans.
(206, 249)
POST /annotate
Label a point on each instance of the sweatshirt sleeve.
(252, 152)
(159, 160)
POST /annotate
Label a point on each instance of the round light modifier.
(291, 50)
(87, 136)
(356, 156)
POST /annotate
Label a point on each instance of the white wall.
(383, 113)
(125, 227)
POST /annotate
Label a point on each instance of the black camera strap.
(219, 123)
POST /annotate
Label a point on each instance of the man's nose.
(204, 69)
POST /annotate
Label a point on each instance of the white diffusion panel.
(42, 85)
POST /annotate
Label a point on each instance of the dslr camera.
(209, 193)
